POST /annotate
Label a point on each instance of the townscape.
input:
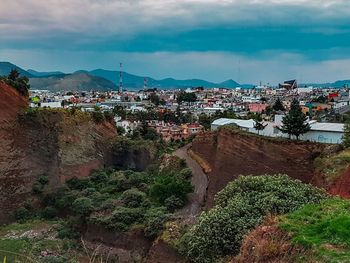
(174, 131)
(179, 113)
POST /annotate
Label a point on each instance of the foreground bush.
(240, 207)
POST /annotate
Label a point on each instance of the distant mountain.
(6, 67)
(336, 84)
(44, 74)
(137, 82)
(72, 82)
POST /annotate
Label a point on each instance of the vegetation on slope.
(20, 83)
(322, 229)
(36, 241)
(240, 207)
(118, 200)
(333, 165)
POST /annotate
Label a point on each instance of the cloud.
(129, 17)
(249, 40)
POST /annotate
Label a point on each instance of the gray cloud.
(22, 18)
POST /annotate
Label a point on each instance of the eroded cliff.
(231, 153)
(55, 143)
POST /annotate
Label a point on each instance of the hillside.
(6, 67)
(72, 82)
(58, 144)
(134, 81)
(44, 74)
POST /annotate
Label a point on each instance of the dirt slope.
(53, 143)
(232, 153)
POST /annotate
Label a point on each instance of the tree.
(295, 122)
(13, 75)
(278, 106)
(21, 84)
(187, 97)
(259, 126)
(346, 137)
(154, 98)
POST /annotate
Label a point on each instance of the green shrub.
(241, 206)
(120, 219)
(49, 212)
(83, 206)
(77, 184)
(133, 197)
(167, 186)
(127, 215)
(154, 221)
(37, 188)
(185, 173)
(44, 179)
(66, 230)
(98, 117)
(172, 203)
(23, 214)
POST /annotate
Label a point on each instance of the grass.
(324, 229)
(333, 166)
(17, 246)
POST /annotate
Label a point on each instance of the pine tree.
(295, 122)
(346, 137)
(278, 106)
(258, 125)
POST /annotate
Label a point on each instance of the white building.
(331, 133)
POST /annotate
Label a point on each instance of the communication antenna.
(120, 78)
(145, 84)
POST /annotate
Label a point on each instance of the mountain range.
(104, 80)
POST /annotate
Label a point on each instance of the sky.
(250, 41)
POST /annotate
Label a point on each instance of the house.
(257, 107)
(289, 85)
(245, 125)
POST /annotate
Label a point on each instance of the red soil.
(231, 153)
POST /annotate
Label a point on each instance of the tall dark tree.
(278, 106)
(21, 84)
(186, 97)
(295, 121)
(154, 98)
(259, 125)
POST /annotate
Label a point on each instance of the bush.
(132, 197)
(185, 173)
(76, 184)
(23, 214)
(83, 206)
(66, 230)
(98, 117)
(37, 188)
(44, 179)
(167, 186)
(154, 221)
(172, 203)
(241, 206)
(49, 212)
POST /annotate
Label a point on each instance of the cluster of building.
(319, 104)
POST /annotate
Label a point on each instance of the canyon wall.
(54, 143)
(231, 153)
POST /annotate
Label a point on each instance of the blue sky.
(249, 41)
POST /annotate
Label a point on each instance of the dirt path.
(199, 181)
